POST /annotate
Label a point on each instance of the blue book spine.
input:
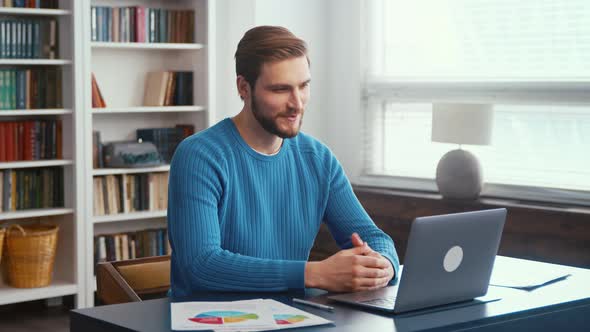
(162, 26)
(2, 90)
(29, 28)
(36, 40)
(21, 90)
(12, 39)
(19, 39)
(12, 89)
(3, 39)
(104, 25)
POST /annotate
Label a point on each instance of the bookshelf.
(36, 163)
(120, 69)
(107, 171)
(148, 109)
(29, 112)
(34, 11)
(68, 274)
(148, 46)
(35, 62)
(130, 216)
(34, 213)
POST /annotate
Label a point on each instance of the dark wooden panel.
(532, 232)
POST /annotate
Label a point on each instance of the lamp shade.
(462, 123)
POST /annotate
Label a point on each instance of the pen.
(313, 304)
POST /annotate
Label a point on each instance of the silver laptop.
(449, 259)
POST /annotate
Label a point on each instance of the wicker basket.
(30, 254)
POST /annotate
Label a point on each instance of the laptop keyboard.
(382, 302)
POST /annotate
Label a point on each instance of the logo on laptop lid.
(453, 259)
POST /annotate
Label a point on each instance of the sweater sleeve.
(345, 215)
(198, 260)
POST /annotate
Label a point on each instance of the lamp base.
(459, 175)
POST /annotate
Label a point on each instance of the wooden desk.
(564, 305)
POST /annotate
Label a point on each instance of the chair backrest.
(133, 280)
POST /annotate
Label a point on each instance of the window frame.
(572, 92)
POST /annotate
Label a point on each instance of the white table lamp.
(459, 174)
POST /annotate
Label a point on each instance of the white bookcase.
(69, 270)
(120, 70)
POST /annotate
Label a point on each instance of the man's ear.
(243, 87)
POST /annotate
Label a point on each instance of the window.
(530, 58)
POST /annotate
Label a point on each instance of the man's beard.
(269, 124)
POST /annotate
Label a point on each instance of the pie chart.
(222, 317)
(285, 319)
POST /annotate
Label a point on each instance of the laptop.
(449, 259)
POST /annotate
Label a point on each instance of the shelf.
(34, 163)
(31, 213)
(148, 109)
(129, 216)
(35, 62)
(47, 111)
(148, 46)
(109, 171)
(57, 288)
(34, 11)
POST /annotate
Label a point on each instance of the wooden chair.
(133, 280)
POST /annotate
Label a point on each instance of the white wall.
(332, 30)
(344, 116)
(233, 19)
(305, 18)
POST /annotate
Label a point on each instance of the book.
(155, 88)
(97, 98)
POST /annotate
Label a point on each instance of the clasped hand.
(357, 269)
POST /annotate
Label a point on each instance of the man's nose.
(296, 100)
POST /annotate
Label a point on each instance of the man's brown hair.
(264, 44)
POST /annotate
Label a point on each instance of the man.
(247, 196)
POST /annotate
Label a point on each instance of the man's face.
(280, 95)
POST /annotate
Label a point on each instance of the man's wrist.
(311, 275)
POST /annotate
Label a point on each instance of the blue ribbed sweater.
(242, 221)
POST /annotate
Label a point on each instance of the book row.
(28, 38)
(30, 140)
(145, 243)
(30, 3)
(34, 188)
(167, 88)
(142, 25)
(130, 193)
(30, 88)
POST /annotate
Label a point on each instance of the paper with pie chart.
(287, 317)
(249, 315)
(220, 316)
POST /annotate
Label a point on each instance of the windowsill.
(529, 204)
